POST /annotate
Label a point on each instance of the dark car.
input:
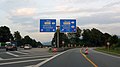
(11, 47)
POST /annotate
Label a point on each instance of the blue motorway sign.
(47, 25)
(68, 25)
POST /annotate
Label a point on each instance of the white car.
(27, 46)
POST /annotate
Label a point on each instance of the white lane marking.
(40, 64)
(28, 57)
(106, 54)
(1, 58)
(20, 52)
(22, 61)
(12, 54)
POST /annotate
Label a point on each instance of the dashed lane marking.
(22, 61)
(28, 57)
(40, 64)
(1, 58)
(12, 54)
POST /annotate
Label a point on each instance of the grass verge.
(115, 52)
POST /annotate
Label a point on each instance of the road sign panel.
(68, 25)
(47, 25)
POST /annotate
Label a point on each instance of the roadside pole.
(63, 43)
(0, 44)
(108, 45)
(58, 28)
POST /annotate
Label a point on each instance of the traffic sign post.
(58, 36)
(68, 25)
(47, 25)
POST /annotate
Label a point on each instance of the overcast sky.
(24, 15)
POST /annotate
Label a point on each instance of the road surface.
(40, 57)
(73, 58)
(24, 58)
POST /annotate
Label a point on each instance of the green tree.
(17, 35)
(93, 37)
(27, 40)
(39, 44)
(74, 38)
(118, 44)
(11, 37)
(18, 38)
(54, 40)
(5, 34)
(86, 37)
(96, 37)
(106, 39)
(113, 41)
(62, 37)
(32, 42)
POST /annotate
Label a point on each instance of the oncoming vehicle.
(10, 46)
(27, 46)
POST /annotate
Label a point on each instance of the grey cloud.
(80, 1)
(112, 4)
(75, 11)
(32, 31)
(21, 19)
(9, 5)
(70, 11)
(25, 21)
(100, 19)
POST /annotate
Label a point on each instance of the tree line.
(7, 36)
(87, 37)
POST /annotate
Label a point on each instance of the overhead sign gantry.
(68, 25)
(47, 25)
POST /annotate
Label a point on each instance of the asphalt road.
(40, 57)
(73, 58)
(24, 58)
(104, 60)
